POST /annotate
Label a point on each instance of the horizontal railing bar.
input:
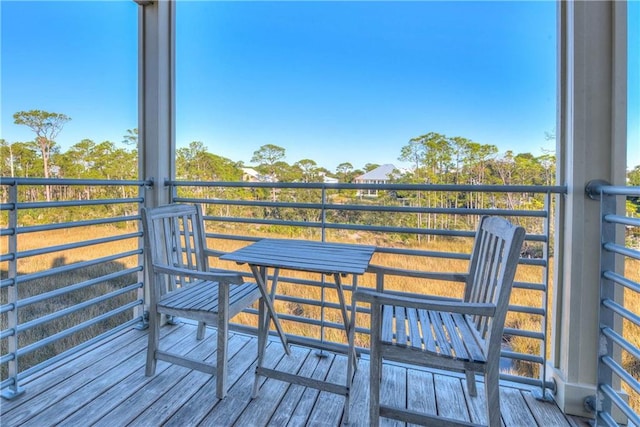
(623, 220)
(73, 181)
(62, 334)
(71, 267)
(67, 289)
(359, 227)
(528, 381)
(65, 225)
(528, 310)
(607, 419)
(74, 203)
(620, 403)
(621, 341)
(68, 246)
(350, 186)
(621, 280)
(306, 301)
(613, 190)
(74, 350)
(367, 208)
(75, 308)
(622, 250)
(622, 311)
(529, 286)
(524, 333)
(521, 356)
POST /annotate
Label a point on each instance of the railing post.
(13, 390)
(323, 215)
(607, 291)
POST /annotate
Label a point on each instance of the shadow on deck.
(105, 385)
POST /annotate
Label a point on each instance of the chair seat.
(202, 296)
(439, 333)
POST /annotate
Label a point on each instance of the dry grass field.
(520, 297)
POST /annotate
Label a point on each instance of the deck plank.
(394, 386)
(545, 413)
(193, 411)
(170, 402)
(294, 393)
(329, 406)
(423, 395)
(301, 413)
(105, 385)
(228, 410)
(450, 397)
(261, 409)
(84, 396)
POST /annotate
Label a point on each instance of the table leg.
(349, 327)
(261, 280)
(263, 330)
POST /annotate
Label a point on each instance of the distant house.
(252, 175)
(380, 175)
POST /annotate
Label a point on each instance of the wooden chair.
(183, 286)
(463, 335)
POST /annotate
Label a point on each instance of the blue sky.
(329, 81)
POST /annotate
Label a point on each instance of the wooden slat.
(387, 324)
(305, 255)
(414, 329)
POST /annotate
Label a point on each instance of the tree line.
(434, 158)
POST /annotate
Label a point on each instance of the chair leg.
(201, 330)
(152, 346)
(471, 383)
(492, 391)
(375, 368)
(223, 336)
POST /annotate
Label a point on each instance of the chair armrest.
(452, 306)
(215, 276)
(389, 271)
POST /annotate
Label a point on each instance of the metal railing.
(418, 228)
(64, 285)
(619, 307)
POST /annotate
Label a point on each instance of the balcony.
(73, 276)
(73, 353)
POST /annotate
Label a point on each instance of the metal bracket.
(144, 322)
(593, 188)
(590, 403)
(12, 392)
(545, 396)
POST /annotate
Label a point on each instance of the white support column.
(156, 96)
(156, 102)
(591, 131)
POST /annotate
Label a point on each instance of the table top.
(305, 255)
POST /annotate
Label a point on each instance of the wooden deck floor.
(105, 385)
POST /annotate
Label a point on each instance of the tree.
(267, 156)
(413, 153)
(309, 169)
(633, 177)
(345, 172)
(370, 166)
(131, 138)
(46, 126)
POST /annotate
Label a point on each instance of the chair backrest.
(494, 260)
(174, 236)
